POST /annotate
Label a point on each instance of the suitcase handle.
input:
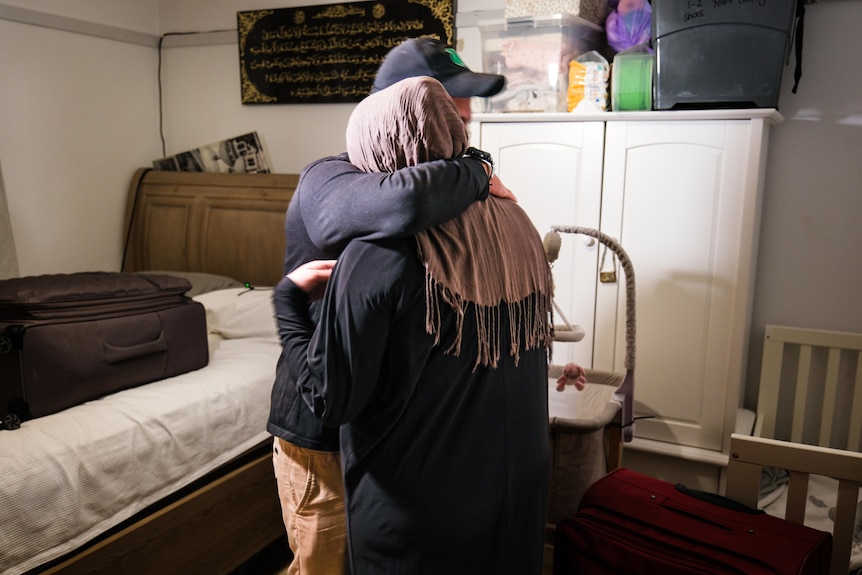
(719, 500)
(115, 354)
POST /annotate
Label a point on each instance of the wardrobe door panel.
(675, 196)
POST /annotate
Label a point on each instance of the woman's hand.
(312, 277)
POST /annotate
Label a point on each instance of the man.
(431, 352)
(335, 202)
(429, 57)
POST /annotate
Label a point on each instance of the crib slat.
(797, 495)
(830, 387)
(845, 515)
(770, 380)
(802, 375)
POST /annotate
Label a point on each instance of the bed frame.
(225, 224)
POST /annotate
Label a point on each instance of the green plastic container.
(631, 82)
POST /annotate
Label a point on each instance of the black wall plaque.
(329, 53)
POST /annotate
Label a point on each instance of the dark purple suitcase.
(629, 523)
(70, 338)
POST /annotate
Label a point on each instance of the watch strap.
(482, 156)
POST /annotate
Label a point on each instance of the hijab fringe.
(530, 323)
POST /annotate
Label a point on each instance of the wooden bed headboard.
(218, 223)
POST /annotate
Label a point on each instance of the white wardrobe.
(682, 192)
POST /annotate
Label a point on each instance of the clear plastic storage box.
(534, 54)
(596, 11)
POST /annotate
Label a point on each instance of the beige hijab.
(490, 256)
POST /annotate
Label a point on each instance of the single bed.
(174, 476)
(803, 462)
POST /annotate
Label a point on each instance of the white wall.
(202, 93)
(138, 15)
(810, 262)
(79, 114)
(203, 104)
(203, 100)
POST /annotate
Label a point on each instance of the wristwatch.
(482, 156)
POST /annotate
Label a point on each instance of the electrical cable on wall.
(161, 128)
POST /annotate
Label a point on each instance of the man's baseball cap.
(430, 57)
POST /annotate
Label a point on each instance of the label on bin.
(673, 16)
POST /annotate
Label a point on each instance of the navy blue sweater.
(336, 202)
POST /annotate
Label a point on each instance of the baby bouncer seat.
(588, 430)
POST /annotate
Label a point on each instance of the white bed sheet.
(68, 477)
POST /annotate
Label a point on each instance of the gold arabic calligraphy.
(328, 53)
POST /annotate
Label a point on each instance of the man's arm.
(341, 202)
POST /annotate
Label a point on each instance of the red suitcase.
(69, 338)
(638, 525)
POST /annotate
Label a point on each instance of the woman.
(432, 354)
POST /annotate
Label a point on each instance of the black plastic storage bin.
(720, 53)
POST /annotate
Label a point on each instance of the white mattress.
(68, 477)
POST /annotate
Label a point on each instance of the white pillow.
(240, 312)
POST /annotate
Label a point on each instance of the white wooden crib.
(808, 422)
